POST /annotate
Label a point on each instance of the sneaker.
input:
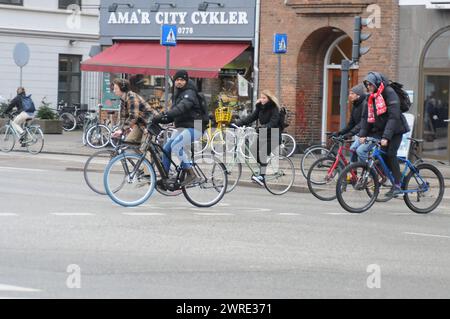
(394, 192)
(258, 180)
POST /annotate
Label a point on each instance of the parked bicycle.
(33, 140)
(71, 116)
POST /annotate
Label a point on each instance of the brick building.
(319, 36)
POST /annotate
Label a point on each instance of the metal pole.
(345, 68)
(21, 69)
(279, 79)
(256, 54)
(166, 93)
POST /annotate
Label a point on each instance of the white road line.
(17, 289)
(341, 214)
(21, 169)
(8, 214)
(426, 235)
(72, 214)
(144, 214)
(213, 214)
(289, 214)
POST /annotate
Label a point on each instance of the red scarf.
(379, 103)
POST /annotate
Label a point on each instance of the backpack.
(405, 102)
(283, 118)
(203, 108)
(28, 104)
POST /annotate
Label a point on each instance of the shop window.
(69, 84)
(63, 4)
(438, 54)
(13, 2)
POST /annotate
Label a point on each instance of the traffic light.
(359, 37)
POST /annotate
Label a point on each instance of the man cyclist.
(185, 113)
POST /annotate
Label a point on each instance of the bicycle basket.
(224, 115)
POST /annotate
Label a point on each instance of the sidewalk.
(69, 143)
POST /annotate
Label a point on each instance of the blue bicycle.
(358, 185)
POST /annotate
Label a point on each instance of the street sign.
(169, 35)
(21, 54)
(280, 43)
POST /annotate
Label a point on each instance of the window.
(69, 83)
(14, 2)
(63, 4)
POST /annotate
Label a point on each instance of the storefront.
(215, 45)
(425, 69)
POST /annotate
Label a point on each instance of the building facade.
(59, 35)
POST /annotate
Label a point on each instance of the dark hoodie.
(17, 103)
(392, 122)
(354, 125)
(185, 106)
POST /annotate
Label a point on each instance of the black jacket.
(268, 116)
(16, 103)
(185, 107)
(354, 125)
(392, 122)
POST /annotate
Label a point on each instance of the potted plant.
(47, 118)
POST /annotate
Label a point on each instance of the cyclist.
(384, 120)
(358, 97)
(267, 112)
(185, 113)
(22, 116)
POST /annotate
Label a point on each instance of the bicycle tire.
(345, 180)
(223, 141)
(409, 196)
(288, 145)
(201, 145)
(69, 121)
(102, 134)
(311, 155)
(234, 173)
(7, 139)
(129, 161)
(320, 170)
(276, 171)
(36, 144)
(98, 169)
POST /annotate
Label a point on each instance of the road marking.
(8, 214)
(17, 289)
(72, 214)
(340, 214)
(426, 235)
(144, 214)
(289, 214)
(214, 214)
(22, 169)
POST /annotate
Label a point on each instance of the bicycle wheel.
(234, 172)
(223, 141)
(424, 188)
(127, 184)
(321, 180)
(213, 182)
(94, 169)
(311, 155)
(114, 141)
(201, 145)
(35, 142)
(280, 175)
(7, 139)
(248, 145)
(288, 145)
(357, 188)
(69, 122)
(98, 136)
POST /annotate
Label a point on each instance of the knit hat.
(181, 74)
(359, 90)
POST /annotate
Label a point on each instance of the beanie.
(181, 74)
(359, 90)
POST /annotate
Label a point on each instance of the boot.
(190, 177)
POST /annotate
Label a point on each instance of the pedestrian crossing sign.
(280, 43)
(168, 35)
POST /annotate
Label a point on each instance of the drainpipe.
(256, 55)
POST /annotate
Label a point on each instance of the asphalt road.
(60, 240)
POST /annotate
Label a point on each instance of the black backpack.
(405, 102)
(283, 118)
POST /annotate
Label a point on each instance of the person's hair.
(123, 84)
(271, 97)
(20, 90)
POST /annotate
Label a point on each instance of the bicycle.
(130, 179)
(73, 116)
(280, 172)
(418, 181)
(95, 165)
(322, 175)
(33, 139)
(95, 134)
(314, 152)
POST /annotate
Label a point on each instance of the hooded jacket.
(268, 116)
(392, 122)
(17, 103)
(354, 125)
(185, 106)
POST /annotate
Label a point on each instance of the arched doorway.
(435, 96)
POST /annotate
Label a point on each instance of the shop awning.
(200, 59)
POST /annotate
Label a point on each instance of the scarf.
(379, 103)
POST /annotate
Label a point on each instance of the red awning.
(200, 59)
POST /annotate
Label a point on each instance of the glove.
(158, 118)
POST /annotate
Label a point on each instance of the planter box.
(50, 126)
(3, 122)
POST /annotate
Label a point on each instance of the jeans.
(354, 147)
(363, 151)
(183, 137)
